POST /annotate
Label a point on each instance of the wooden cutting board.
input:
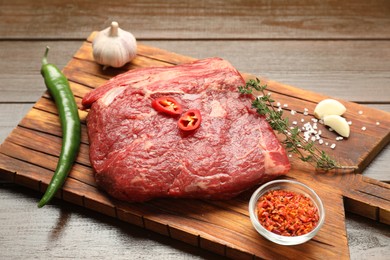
(29, 155)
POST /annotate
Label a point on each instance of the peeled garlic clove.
(114, 47)
(329, 107)
(338, 124)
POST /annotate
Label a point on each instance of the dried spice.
(287, 213)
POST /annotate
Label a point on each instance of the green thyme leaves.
(294, 142)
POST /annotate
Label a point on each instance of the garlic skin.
(114, 47)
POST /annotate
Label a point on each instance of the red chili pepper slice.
(190, 120)
(167, 105)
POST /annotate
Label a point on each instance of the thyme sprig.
(294, 141)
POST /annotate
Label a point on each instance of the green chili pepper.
(59, 89)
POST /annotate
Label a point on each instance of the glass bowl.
(296, 187)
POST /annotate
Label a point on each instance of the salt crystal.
(313, 138)
(339, 138)
(326, 143)
(360, 112)
(293, 112)
(377, 123)
(333, 146)
(364, 128)
(302, 120)
(315, 120)
(331, 129)
(278, 104)
(320, 141)
(290, 155)
(294, 122)
(349, 122)
(305, 113)
(285, 105)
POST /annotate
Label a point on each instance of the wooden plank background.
(338, 49)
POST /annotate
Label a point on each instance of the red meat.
(139, 154)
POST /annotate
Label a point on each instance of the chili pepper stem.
(44, 59)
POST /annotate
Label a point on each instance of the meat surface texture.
(139, 154)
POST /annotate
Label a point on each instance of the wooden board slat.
(329, 67)
(188, 19)
(219, 226)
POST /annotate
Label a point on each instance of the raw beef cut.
(139, 154)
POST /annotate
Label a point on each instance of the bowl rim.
(279, 239)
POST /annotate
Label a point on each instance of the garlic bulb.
(114, 47)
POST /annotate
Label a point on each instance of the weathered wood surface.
(338, 48)
(227, 229)
(332, 68)
(200, 19)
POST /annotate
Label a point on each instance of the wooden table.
(340, 49)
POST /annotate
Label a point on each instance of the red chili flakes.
(287, 213)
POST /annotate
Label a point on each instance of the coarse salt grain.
(333, 146)
(339, 138)
(349, 122)
(278, 104)
(293, 112)
(377, 123)
(364, 128)
(360, 112)
(285, 105)
(294, 122)
(320, 141)
(290, 155)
